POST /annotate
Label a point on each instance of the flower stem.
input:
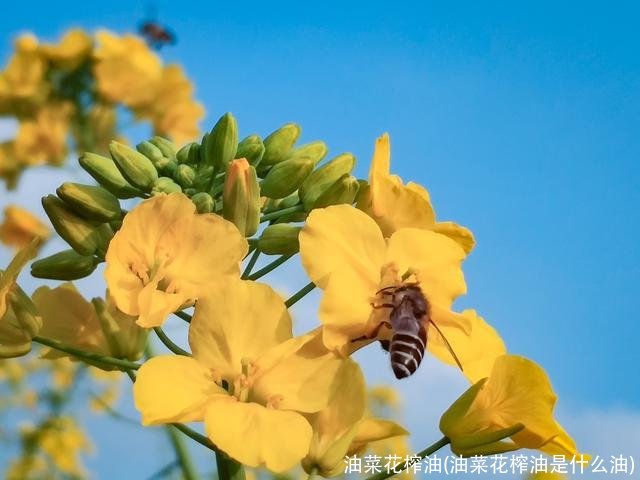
(403, 466)
(267, 268)
(184, 316)
(252, 262)
(300, 294)
(279, 213)
(184, 460)
(169, 343)
(228, 469)
(89, 357)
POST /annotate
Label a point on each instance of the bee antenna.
(453, 354)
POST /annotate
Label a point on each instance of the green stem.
(184, 316)
(228, 469)
(90, 357)
(279, 213)
(266, 269)
(403, 466)
(169, 343)
(300, 294)
(198, 437)
(188, 470)
(252, 262)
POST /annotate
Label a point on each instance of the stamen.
(275, 401)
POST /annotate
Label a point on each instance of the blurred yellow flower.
(394, 205)
(23, 80)
(362, 262)
(43, 138)
(102, 127)
(165, 255)
(517, 393)
(126, 70)
(63, 441)
(20, 227)
(74, 48)
(248, 379)
(174, 113)
(69, 318)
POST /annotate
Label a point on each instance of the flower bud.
(204, 202)
(344, 190)
(106, 173)
(316, 151)
(75, 230)
(125, 338)
(104, 235)
(222, 143)
(241, 197)
(280, 239)
(167, 147)
(190, 153)
(65, 265)
(134, 166)
(150, 151)
(92, 202)
(252, 149)
(278, 146)
(185, 175)
(165, 185)
(325, 176)
(285, 177)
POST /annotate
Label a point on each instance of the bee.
(156, 34)
(409, 319)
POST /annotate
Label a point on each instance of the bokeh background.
(523, 122)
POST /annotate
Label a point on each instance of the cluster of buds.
(246, 182)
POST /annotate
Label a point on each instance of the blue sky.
(521, 120)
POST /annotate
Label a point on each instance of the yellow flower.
(165, 255)
(126, 70)
(516, 394)
(174, 113)
(69, 318)
(24, 77)
(9, 165)
(394, 205)
(20, 227)
(102, 125)
(43, 138)
(241, 338)
(362, 263)
(62, 440)
(71, 52)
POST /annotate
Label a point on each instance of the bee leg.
(386, 289)
(385, 344)
(382, 305)
(374, 334)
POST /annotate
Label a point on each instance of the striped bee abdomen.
(406, 350)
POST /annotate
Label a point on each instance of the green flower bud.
(203, 178)
(241, 197)
(252, 149)
(104, 234)
(324, 177)
(76, 231)
(221, 143)
(65, 265)
(344, 190)
(165, 185)
(185, 175)
(190, 153)
(167, 147)
(190, 192)
(134, 166)
(92, 202)
(150, 151)
(280, 239)
(126, 340)
(285, 177)
(316, 151)
(204, 202)
(106, 173)
(25, 311)
(278, 146)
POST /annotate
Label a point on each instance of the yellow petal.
(173, 388)
(155, 305)
(237, 320)
(436, 259)
(257, 436)
(302, 381)
(340, 237)
(475, 342)
(381, 161)
(373, 429)
(9, 276)
(459, 234)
